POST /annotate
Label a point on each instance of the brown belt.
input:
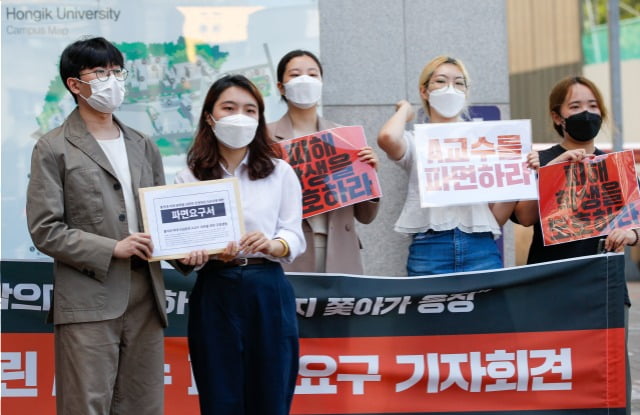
(238, 262)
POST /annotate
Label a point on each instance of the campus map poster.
(174, 50)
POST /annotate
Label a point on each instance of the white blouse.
(272, 205)
(413, 218)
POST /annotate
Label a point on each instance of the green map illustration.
(165, 88)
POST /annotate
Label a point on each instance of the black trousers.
(243, 339)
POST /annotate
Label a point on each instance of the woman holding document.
(243, 333)
(451, 238)
(332, 242)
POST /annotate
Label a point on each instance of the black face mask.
(583, 126)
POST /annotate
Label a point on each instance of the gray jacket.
(76, 214)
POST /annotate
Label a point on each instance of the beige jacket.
(343, 244)
(76, 214)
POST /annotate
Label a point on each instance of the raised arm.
(390, 137)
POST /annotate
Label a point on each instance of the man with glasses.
(82, 209)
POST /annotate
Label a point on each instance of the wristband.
(285, 245)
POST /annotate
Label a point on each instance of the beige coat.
(76, 214)
(343, 244)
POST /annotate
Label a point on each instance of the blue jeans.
(443, 252)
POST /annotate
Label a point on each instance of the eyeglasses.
(103, 74)
(459, 84)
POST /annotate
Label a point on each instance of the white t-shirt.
(117, 154)
(414, 218)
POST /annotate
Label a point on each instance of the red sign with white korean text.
(482, 372)
(380, 374)
(580, 200)
(473, 162)
(329, 171)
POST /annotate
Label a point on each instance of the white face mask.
(235, 131)
(448, 101)
(106, 96)
(303, 91)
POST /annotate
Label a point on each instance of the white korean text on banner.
(486, 342)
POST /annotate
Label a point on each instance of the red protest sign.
(580, 200)
(329, 171)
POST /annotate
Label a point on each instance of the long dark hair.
(204, 158)
(284, 61)
(282, 65)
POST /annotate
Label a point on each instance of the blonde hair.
(430, 68)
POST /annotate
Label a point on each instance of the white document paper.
(192, 216)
